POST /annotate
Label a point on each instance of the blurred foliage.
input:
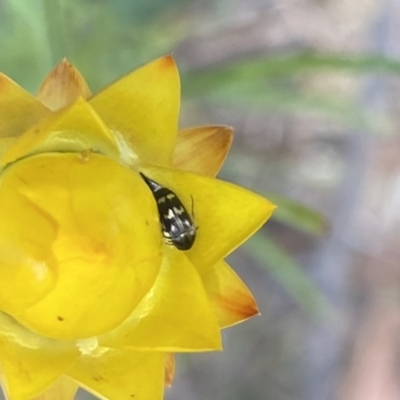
(298, 215)
(105, 39)
(270, 81)
(287, 272)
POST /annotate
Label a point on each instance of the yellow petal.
(225, 214)
(30, 363)
(121, 374)
(27, 262)
(18, 109)
(63, 86)
(144, 107)
(62, 389)
(5, 143)
(76, 128)
(231, 298)
(108, 244)
(175, 315)
(203, 149)
(169, 369)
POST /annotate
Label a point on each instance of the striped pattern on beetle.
(176, 224)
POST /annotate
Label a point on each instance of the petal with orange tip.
(73, 129)
(202, 149)
(144, 107)
(18, 109)
(231, 298)
(169, 369)
(30, 363)
(121, 374)
(62, 86)
(63, 388)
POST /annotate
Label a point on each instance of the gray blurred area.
(312, 90)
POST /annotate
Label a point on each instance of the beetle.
(177, 225)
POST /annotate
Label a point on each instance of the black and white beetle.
(176, 224)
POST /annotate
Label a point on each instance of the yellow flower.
(91, 294)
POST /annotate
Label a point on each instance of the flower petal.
(144, 107)
(175, 315)
(225, 214)
(63, 86)
(232, 300)
(108, 243)
(203, 149)
(30, 363)
(169, 369)
(18, 109)
(63, 388)
(76, 128)
(5, 143)
(27, 262)
(121, 374)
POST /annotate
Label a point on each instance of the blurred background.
(312, 89)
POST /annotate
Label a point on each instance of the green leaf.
(250, 70)
(298, 215)
(291, 100)
(268, 82)
(289, 274)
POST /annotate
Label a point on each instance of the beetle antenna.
(192, 206)
(193, 216)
